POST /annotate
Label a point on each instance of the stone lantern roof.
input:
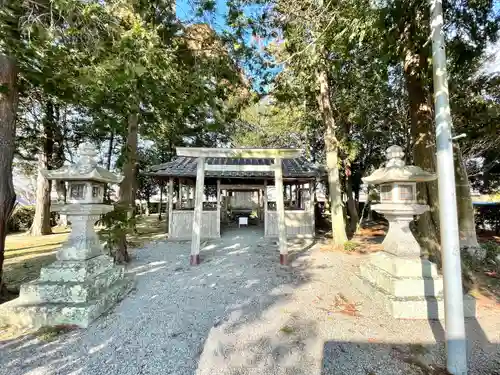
(85, 169)
(395, 170)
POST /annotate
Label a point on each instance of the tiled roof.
(184, 166)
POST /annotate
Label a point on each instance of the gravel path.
(240, 312)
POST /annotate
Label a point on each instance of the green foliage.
(49, 334)
(351, 246)
(86, 66)
(492, 250)
(287, 330)
(488, 216)
(21, 219)
(118, 223)
(146, 185)
(97, 61)
(264, 124)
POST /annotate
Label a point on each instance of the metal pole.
(456, 345)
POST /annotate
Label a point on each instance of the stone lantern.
(408, 285)
(83, 282)
(398, 201)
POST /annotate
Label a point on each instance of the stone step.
(409, 307)
(20, 313)
(402, 286)
(403, 267)
(76, 270)
(39, 291)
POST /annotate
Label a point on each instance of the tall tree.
(331, 39)
(332, 157)
(409, 23)
(41, 221)
(8, 108)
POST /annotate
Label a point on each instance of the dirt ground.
(25, 255)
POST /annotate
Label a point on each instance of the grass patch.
(287, 330)
(348, 247)
(418, 349)
(148, 228)
(351, 246)
(26, 255)
(51, 333)
(492, 250)
(481, 277)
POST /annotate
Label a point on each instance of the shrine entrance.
(213, 189)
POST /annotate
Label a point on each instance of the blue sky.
(186, 13)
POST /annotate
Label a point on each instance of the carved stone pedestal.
(407, 287)
(78, 287)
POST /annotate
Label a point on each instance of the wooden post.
(280, 208)
(182, 189)
(170, 205)
(161, 199)
(300, 196)
(198, 209)
(311, 206)
(178, 195)
(218, 208)
(259, 211)
(189, 193)
(297, 195)
(265, 207)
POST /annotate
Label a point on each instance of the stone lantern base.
(68, 292)
(408, 287)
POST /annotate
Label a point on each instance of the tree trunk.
(351, 207)
(61, 197)
(8, 109)
(110, 150)
(57, 162)
(339, 236)
(41, 221)
(147, 207)
(107, 190)
(424, 149)
(356, 195)
(126, 197)
(466, 223)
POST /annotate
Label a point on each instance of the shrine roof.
(185, 166)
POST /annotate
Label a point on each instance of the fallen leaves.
(344, 306)
(340, 305)
(331, 247)
(492, 274)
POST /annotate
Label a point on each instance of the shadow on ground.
(372, 358)
(220, 318)
(161, 327)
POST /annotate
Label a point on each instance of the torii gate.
(251, 153)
